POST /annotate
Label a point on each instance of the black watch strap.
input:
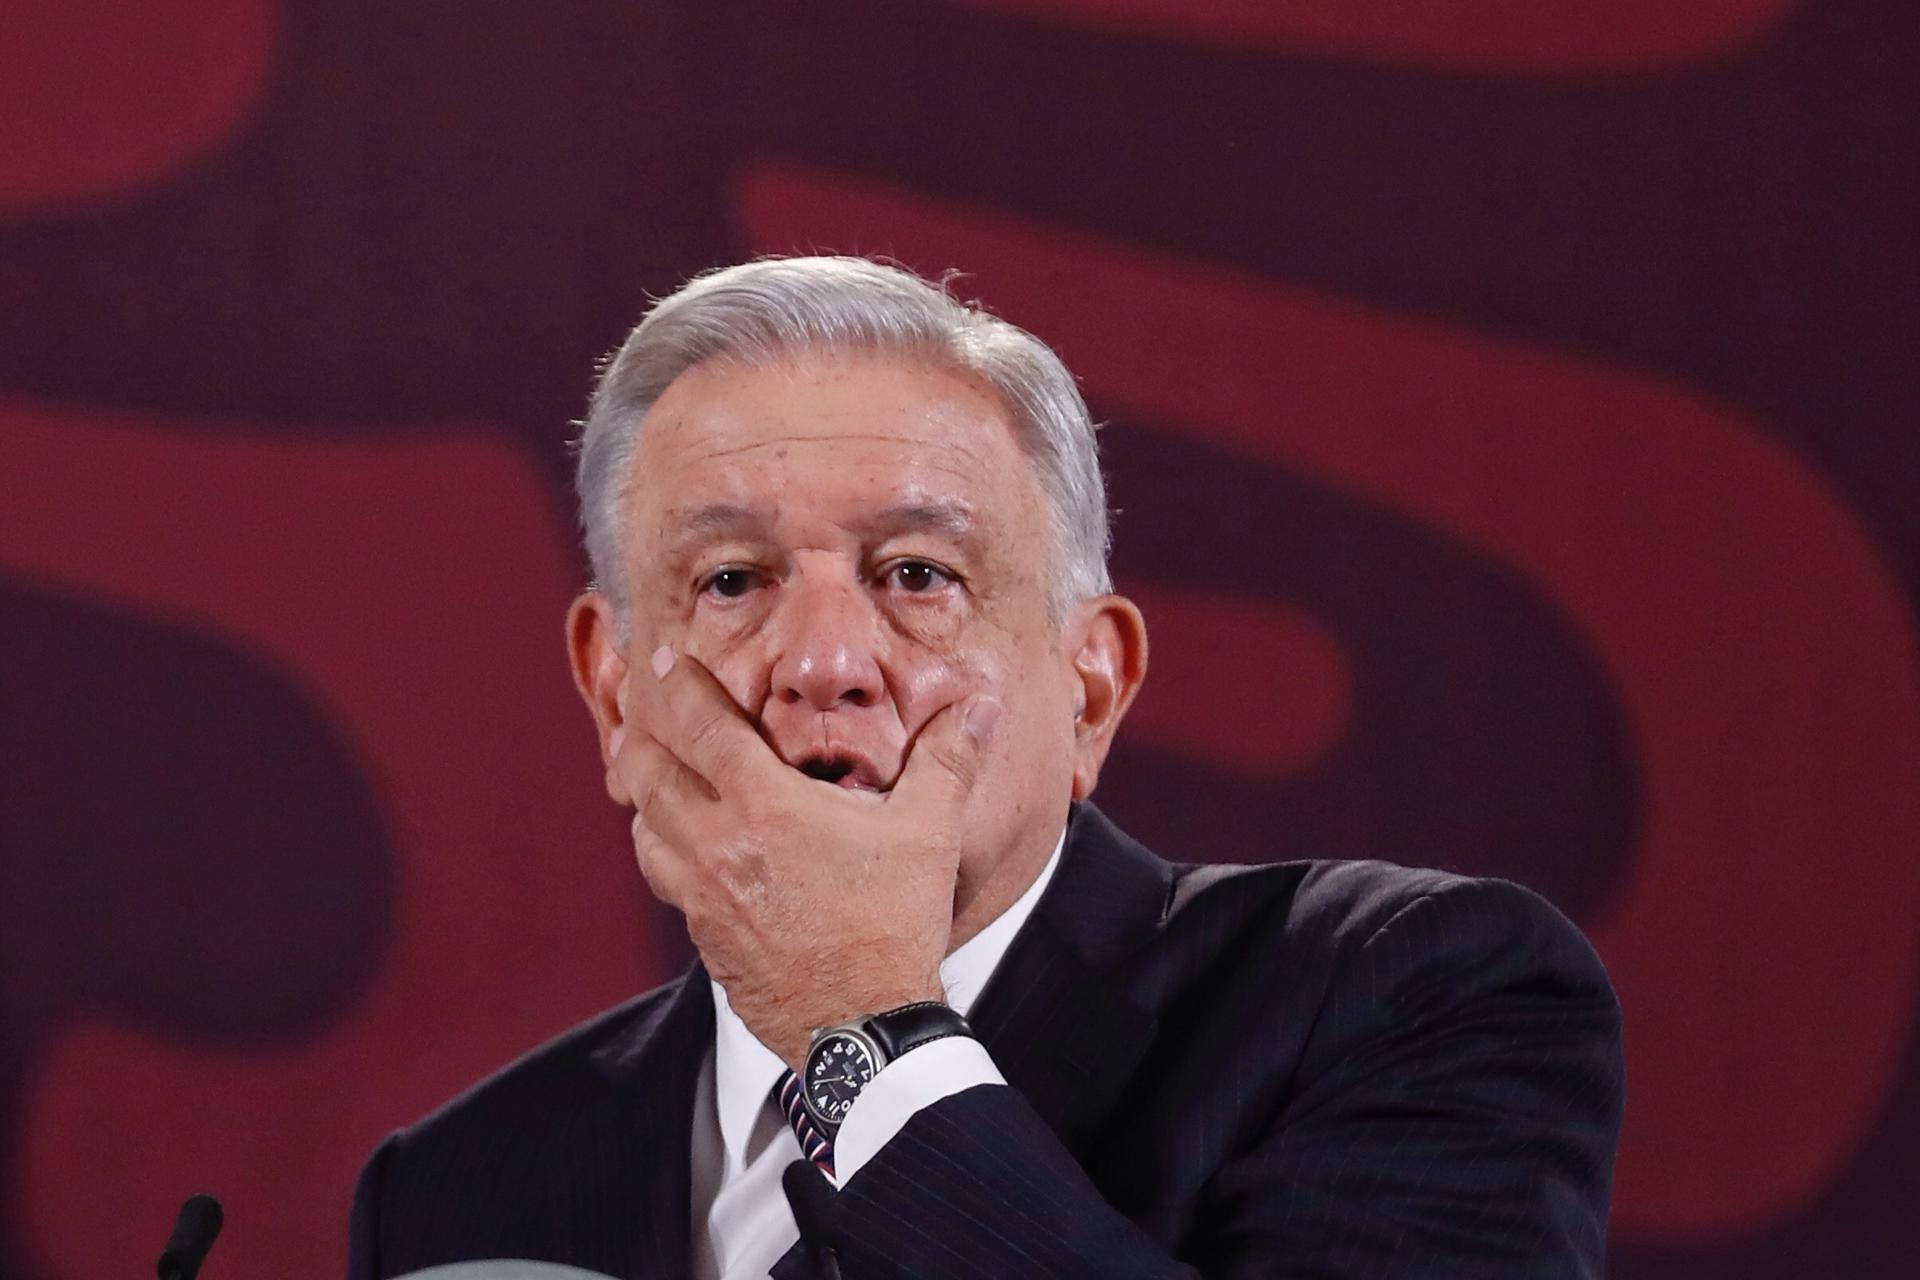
(912, 1025)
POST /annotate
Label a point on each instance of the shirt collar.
(745, 1071)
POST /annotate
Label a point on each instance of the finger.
(704, 726)
(662, 865)
(945, 760)
(665, 794)
(616, 734)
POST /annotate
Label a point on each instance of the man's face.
(851, 544)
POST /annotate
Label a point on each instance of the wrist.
(856, 1002)
(842, 1004)
(843, 1059)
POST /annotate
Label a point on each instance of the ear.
(1107, 641)
(600, 674)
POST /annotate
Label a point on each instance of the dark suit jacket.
(1323, 1069)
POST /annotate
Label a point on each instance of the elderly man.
(855, 662)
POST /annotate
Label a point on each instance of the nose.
(827, 639)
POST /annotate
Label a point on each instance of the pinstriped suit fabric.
(1304, 1069)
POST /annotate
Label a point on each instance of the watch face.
(838, 1068)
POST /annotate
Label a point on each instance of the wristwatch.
(843, 1060)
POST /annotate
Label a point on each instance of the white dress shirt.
(741, 1141)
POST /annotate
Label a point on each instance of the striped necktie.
(816, 1145)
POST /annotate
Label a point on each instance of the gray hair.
(762, 311)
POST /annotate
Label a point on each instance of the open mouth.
(849, 772)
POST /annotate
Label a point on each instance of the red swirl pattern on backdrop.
(1510, 420)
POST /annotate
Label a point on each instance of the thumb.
(946, 757)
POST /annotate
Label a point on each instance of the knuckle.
(648, 859)
(955, 764)
(709, 733)
(647, 800)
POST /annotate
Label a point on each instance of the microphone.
(193, 1234)
(812, 1199)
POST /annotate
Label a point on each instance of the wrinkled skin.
(847, 723)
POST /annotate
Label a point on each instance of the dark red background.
(1512, 418)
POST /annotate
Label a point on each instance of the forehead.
(830, 438)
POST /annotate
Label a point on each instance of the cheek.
(925, 682)
(932, 681)
(741, 669)
(935, 625)
(721, 643)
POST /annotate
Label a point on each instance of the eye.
(916, 577)
(731, 582)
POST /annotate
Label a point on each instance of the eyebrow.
(684, 530)
(949, 517)
(688, 527)
(684, 524)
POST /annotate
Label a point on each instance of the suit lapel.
(1058, 1023)
(637, 1138)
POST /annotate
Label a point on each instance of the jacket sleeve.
(1453, 1112)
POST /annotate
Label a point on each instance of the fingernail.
(662, 661)
(982, 716)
